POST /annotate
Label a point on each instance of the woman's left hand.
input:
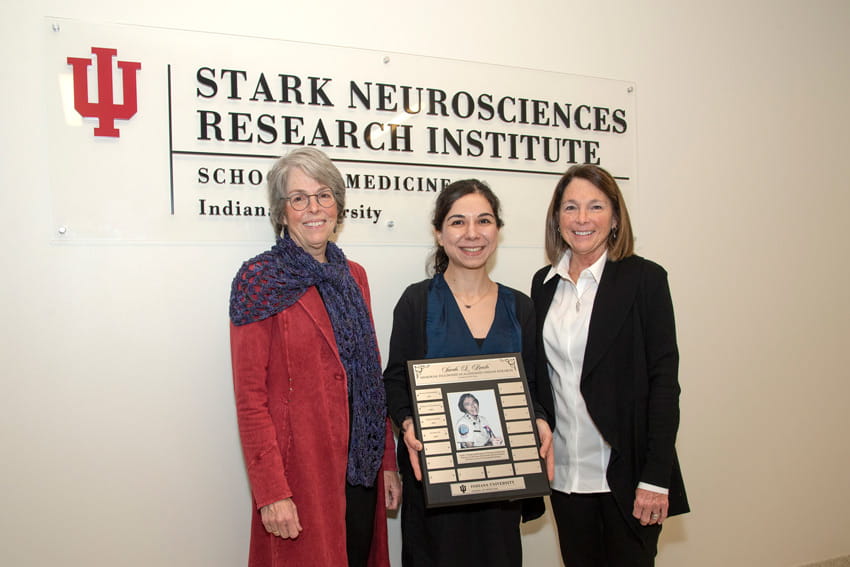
(546, 451)
(650, 507)
(392, 490)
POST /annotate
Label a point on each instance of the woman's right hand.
(413, 446)
(281, 519)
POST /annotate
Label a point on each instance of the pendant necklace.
(476, 302)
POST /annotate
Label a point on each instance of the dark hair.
(621, 242)
(463, 398)
(315, 164)
(445, 200)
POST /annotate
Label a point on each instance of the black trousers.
(593, 532)
(360, 502)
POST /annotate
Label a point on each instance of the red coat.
(292, 406)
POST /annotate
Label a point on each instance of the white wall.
(119, 443)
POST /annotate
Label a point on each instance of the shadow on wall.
(837, 562)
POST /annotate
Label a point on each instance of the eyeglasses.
(300, 201)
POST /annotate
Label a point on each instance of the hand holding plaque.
(475, 435)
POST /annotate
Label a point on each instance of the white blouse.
(581, 453)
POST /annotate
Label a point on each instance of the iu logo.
(105, 109)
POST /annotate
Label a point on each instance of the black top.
(629, 379)
(468, 534)
(409, 342)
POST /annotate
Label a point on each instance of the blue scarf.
(276, 279)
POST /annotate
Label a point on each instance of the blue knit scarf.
(276, 279)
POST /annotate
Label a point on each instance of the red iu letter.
(105, 109)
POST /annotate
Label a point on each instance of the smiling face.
(469, 233)
(311, 228)
(470, 406)
(585, 220)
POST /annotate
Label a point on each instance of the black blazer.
(629, 380)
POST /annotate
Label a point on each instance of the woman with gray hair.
(307, 380)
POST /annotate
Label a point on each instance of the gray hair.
(314, 163)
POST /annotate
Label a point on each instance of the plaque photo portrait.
(476, 418)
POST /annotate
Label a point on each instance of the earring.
(613, 233)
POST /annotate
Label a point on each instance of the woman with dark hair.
(307, 381)
(460, 311)
(607, 378)
(473, 429)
